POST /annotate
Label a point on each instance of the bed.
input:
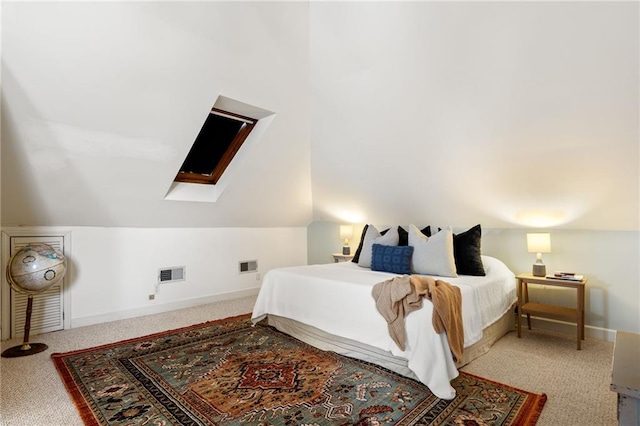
(331, 307)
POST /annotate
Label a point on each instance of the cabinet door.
(48, 307)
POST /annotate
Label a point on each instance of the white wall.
(515, 115)
(609, 259)
(509, 114)
(112, 271)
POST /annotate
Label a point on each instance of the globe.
(35, 268)
(32, 270)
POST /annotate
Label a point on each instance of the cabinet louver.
(48, 307)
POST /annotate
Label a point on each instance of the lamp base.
(346, 250)
(539, 270)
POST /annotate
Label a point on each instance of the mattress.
(336, 299)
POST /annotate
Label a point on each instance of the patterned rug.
(230, 373)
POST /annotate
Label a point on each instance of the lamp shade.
(539, 242)
(346, 232)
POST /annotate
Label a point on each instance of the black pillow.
(467, 251)
(426, 231)
(403, 236)
(356, 256)
(402, 241)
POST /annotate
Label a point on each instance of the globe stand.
(26, 348)
(32, 270)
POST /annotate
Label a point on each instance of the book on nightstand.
(569, 276)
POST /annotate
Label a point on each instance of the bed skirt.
(328, 342)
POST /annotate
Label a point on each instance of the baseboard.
(158, 309)
(592, 332)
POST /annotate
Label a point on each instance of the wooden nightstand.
(557, 312)
(339, 257)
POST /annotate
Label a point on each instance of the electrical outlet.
(258, 276)
(152, 296)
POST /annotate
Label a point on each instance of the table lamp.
(346, 232)
(539, 242)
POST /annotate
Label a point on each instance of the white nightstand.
(339, 257)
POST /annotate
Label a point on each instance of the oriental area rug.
(229, 372)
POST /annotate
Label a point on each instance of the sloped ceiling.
(102, 101)
(507, 114)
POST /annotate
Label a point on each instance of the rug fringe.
(531, 409)
(532, 417)
(86, 414)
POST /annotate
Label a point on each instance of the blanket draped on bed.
(397, 297)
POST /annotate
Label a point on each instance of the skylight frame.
(232, 149)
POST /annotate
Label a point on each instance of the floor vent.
(169, 275)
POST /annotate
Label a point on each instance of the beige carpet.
(576, 382)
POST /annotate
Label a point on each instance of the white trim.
(184, 191)
(158, 309)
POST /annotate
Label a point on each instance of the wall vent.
(247, 266)
(170, 275)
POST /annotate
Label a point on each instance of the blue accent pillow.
(402, 235)
(395, 259)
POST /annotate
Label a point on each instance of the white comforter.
(336, 298)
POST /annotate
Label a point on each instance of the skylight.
(220, 138)
(224, 141)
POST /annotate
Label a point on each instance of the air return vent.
(169, 275)
(248, 266)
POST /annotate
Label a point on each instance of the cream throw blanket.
(396, 297)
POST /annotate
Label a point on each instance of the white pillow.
(434, 255)
(390, 238)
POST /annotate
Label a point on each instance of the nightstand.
(556, 312)
(339, 257)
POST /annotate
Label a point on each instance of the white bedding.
(336, 298)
